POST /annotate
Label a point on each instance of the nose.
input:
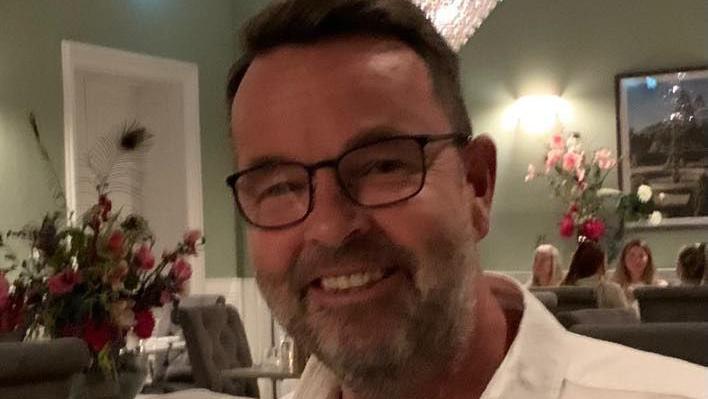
(334, 218)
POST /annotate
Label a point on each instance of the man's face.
(360, 287)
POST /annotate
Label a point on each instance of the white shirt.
(545, 361)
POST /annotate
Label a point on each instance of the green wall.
(574, 49)
(203, 32)
(571, 47)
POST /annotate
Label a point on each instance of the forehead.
(312, 101)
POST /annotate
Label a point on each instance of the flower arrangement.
(97, 278)
(577, 181)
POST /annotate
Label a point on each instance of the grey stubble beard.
(432, 325)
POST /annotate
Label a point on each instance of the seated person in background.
(691, 264)
(546, 269)
(636, 268)
(587, 269)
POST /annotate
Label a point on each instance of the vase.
(95, 385)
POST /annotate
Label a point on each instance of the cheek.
(272, 252)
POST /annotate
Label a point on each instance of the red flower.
(566, 226)
(105, 204)
(144, 258)
(144, 323)
(181, 271)
(191, 238)
(62, 283)
(4, 290)
(593, 229)
(115, 243)
(97, 335)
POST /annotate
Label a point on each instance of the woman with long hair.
(636, 267)
(587, 269)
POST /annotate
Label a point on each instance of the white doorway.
(105, 89)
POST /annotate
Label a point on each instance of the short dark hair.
(692, 262)
(300, 22)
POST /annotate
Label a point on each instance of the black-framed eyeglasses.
(373, 175)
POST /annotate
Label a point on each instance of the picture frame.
(662, 141)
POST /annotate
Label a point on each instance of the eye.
(280, 189)
(382, 166)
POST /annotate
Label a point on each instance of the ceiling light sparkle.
(457, 20)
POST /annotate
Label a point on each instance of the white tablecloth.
(191, 394)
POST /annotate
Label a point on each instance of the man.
(366, 197)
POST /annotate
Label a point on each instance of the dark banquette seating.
(673, 304)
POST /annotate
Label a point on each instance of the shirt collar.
(532, 368)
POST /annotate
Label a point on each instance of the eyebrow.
(363, 138)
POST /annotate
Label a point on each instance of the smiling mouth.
(352, 282)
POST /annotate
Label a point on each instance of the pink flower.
(191, 239)
(62, 283)
(593, 229)
(115, 243)
(552, 158)
(530, 173)
(604, 160)
(557, 141)
(4, 290)
(165, 297)
(566, 226)
(572, 160)
(144, 323)
(181, 271)
(144, 258)
(116, 275)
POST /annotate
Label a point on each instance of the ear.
(480, 159)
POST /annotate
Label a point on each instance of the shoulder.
(599, 366)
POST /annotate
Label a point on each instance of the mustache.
(368, 251)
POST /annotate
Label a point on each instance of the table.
(191, 394)
(272, 373)
(162, 344)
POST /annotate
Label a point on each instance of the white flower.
(655, 218)
(644, 193)
(662, 196)
(608, 192)
(530, 173)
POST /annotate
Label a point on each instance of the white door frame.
(80, 57)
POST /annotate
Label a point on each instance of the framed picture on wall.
(662, 140)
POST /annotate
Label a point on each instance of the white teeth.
(355, 280)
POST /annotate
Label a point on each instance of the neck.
(467, 377)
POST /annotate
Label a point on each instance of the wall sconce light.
(537, 114)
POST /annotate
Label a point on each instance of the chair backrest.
(685, 341)
(175, 364)
(41, 369)
(572, 298)
(597, 316)
(672, 304)
(216, 341)
(548, 299)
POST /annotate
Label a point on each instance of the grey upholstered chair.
(672, 304)
(548, 299)
(597, 316)
(685, 341)
(216, 341)
(41, 369)
(173, 371)
(571, 298)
